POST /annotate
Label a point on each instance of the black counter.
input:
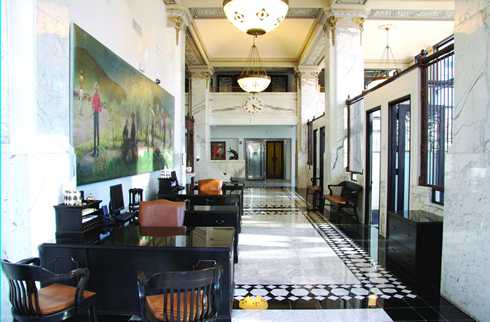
(115, 261)
(415, 248)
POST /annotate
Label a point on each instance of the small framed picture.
(218, 150)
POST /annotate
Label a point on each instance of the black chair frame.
(204, 279)
(22, 277)
(350, 192)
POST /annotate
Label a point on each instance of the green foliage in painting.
(123, 122)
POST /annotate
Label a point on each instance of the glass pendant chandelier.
(256, 17)
(253, 78)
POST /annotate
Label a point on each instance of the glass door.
(255, 159)
(373, 166)
(399, 158)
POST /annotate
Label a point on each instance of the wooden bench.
(347, 198)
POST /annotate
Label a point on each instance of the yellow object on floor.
(254, 303)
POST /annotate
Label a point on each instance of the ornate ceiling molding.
(201, 72)
(406, 14)
(193, 56)
(218, 13)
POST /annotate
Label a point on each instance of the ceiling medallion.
(256, 17)
(253, 104)
(253, 78)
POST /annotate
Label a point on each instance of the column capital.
(308, 71)
(201, 72)
(346, 15)
(178, 15)
(179, 18)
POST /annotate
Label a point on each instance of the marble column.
(466, 237)
(344, 77)
(310, 105)
(200, 83)
(179, 18)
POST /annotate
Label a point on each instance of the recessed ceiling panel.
(407, 38)
(225, 42)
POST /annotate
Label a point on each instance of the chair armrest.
(83, 274)
(330, 186)
(28, 261)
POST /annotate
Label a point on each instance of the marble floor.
(282, 247)
(308, 269)
(356, 315)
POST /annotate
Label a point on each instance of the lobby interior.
(245, 160)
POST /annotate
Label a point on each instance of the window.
(437, 115)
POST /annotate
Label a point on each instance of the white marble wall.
(226, 109)
(344, 76)
(38, 159)
(466, 246)
(311, 104)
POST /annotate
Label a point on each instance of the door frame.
(283, 157)
(389, 204)
(321, 151)
(315, 153)
(367, 217)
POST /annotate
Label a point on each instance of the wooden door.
(275, 160)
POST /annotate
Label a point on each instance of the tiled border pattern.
(317, 292)
(374, 279)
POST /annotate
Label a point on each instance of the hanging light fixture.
(256, 17)
(253, 78)
(388, 59)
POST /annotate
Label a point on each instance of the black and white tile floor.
(373, 278)
(390, 293)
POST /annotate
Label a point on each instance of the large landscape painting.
(122, 121)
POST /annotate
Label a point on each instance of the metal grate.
(437, 124)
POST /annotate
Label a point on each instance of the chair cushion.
(161, 213)
(155, 304)
(58, 297)
(336, 199)
(210, 187)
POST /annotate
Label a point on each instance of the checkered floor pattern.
(373, 278)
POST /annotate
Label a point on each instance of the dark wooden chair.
(181, 296)
(314, 195)
(346, 198)
(51, 303)
(135, 199)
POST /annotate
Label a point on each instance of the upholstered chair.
(161, 213)
(210, 187)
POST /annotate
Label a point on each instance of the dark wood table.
(115, 261)
(215, 216)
